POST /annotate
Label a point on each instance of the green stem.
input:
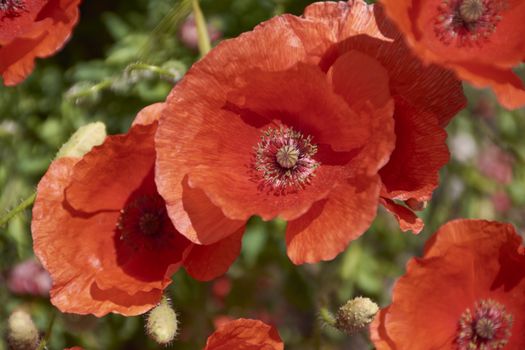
(18, 209)
(155, 69)
(202, 30)
(90, 90)
(49, 330)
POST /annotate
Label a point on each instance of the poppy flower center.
(287, 156)
(150, 224)
(284, 159)
(471, 10)
(11, 8)
(142, 219)
(467, 22)
(486, 328)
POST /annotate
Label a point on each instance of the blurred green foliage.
(97, 78)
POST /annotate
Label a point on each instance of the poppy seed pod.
(356, 315)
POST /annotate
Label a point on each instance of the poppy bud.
(356, 315)
(83, 140)
(161, 323)
(21, 331)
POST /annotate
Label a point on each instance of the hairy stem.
(17, 210)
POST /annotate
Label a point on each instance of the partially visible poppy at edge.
(466, 293)
(480, 40)
(314, 119)
(101, 230)
(245, 334)
(31, 29)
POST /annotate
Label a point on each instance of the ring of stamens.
(11, 8)
(467, 22)
(486, 328)
(142, 221)
(284, 159)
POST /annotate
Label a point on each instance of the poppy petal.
(121, 163)
(328, 227)
(421, 150)
(366, 90)
(206, 262)
(245, 334)
(149, 114)
(465, 262)
(197, 218)
(507, 86)
(46, 36)
(405, 217)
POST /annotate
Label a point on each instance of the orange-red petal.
(485, 65)
(465, 261)
(149, 114)
(206, 262)
(50, 30)
(245, 334)
(406, 218)
(329, 226)
(113, 170)
(421, 150)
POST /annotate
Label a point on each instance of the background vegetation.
(96, 78)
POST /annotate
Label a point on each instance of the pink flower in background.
(29, 277)
(188, 32)
(496, 164)
(501, 201)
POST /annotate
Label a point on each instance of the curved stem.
(202, 29)
(173, 75)
(18, 209)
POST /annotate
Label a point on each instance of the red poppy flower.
(245, 334)
(295, 119)
(466, 293)
(101, 229)
(30, 29)
(480, 40)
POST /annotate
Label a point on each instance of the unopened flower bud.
(356, 315)
(22, 333)
(162, 324)
(83, 140)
